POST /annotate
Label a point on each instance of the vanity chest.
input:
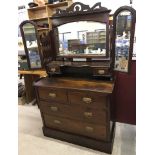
(75, 100)
(77, 111)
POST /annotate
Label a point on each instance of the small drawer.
(53, 108)
(101, 71)
(90, 99)
(77, 127)
(50, 94)
(74, 112)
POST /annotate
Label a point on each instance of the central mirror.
(82, 38)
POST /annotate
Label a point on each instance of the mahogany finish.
(79, 97)
(105, 146)
(76, 106)
(78, 84)
(52, 95)
(75, 98)
(82, 112)
(76, 127)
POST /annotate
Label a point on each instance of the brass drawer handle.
(89, 129)
(54, 108)
(53, 95)
(57, 121)
(88, 114)
(87, 100)
(53, 69)
(101, 71)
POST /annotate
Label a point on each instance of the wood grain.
(76, 112)
(53, 95)
(74, 126)
(77, 84)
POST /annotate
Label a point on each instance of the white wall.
(24, 2)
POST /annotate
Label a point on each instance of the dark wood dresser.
(77, 110)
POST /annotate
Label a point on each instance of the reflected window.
(63, 39)
(82, 36)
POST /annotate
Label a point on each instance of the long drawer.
(90, 99)
(51, 94)
(74, 112)
(77, 127)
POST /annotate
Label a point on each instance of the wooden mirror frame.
(133, 22)
(25, 46)
(97, 13)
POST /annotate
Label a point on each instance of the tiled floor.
(32, 141)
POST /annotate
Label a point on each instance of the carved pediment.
(80, 8)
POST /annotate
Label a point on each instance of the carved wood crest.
(80, 8)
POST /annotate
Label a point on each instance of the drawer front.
(89, 99)
(77, 127)
(53, 95)
(74, 112)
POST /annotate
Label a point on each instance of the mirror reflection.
(32, 45)
(82, 38)
(122, 41)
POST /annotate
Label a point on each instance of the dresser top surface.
(78, 84)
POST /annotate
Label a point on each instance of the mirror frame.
(132, 31)
(25, 46)
(97, 13)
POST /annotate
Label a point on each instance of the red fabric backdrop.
(125, 96)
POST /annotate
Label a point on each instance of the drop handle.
(88, 114)
(87, 100)
(89, 129)
(57, 122)
(53, 69)
(101, 71)
(54, 108)
(53, 95)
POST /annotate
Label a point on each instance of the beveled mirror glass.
(82, 38)
(124, 20)
(122, 40)
(31, 42)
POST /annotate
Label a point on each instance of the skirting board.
(103, 146)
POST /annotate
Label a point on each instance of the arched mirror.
(31, 44)
(123, 37)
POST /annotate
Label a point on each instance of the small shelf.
(44, 13)
(38, 8)
(58, 4)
